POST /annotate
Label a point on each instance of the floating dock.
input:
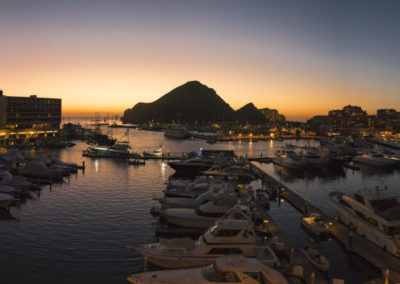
(386, 262)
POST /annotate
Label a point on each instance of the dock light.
(240, 134)
(282, 200)
(330, 223)
(265, 221)
(230, 132)
(251, 134)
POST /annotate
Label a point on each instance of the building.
(23, 115)
(272, 115)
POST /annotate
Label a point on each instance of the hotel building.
(28, 116)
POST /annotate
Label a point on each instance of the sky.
(302, 57)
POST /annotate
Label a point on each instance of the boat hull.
(364, 228)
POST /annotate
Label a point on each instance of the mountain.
(190, 102)
(249, 113)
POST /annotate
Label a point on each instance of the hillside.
(190, 102)
(249, 113)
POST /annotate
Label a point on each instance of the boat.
(192, 166)
(38, 169)
(289, 159)
(231, 234)
(203, 216)
(6, 200)
(373, 214)
(314, 224)
(195, 201)
(224, 269)
(311, 158)
(375, 159)
(195, 188)
(177, 132)
(121, 149)
(154, 154)
(315, 258)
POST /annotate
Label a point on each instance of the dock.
(353, 242)
(295, 256)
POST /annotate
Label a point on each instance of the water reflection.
(323, 174)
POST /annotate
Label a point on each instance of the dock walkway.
(353, 242)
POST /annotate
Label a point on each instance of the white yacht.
(232, 234)
(374, 215)
(375, 159)
(311, 158)
(177, 132)
(196, 201)
(223, 270)
(192, 190)
(203, 216)
(289, 159)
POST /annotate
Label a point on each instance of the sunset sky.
(300, 57)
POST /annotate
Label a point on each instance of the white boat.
(311, 158)
(121, 149)
(203, 216)
(6, 200)
(177, 132)
(289, 159)
(190, 199)
(224, 269)
(314, 224)
(374, 215)
(315, 258)
(232, 234)
(375, 159)
(154, 154)
(38, 169)
(191, 190)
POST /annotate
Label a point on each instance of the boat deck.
(356, 243)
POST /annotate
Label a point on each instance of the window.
(225, 233)
(225, 251)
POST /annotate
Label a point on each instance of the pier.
(353, 242)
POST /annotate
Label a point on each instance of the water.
(77, 232)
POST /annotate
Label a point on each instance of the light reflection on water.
(77, 232)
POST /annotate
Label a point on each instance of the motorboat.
(375, 159)
(179, 202)
(203, 216)
(242, 174)
(192, 190)
(315, 225)
(177, 132)
(315, 258)
(192, 166)
(289, 159)
(154, 154)
(231, 234)
(373, 214)
(311, 158)
(38, 169)
(121, 149)
(6, 200)
(224, 269)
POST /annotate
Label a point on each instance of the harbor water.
(77, 231)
